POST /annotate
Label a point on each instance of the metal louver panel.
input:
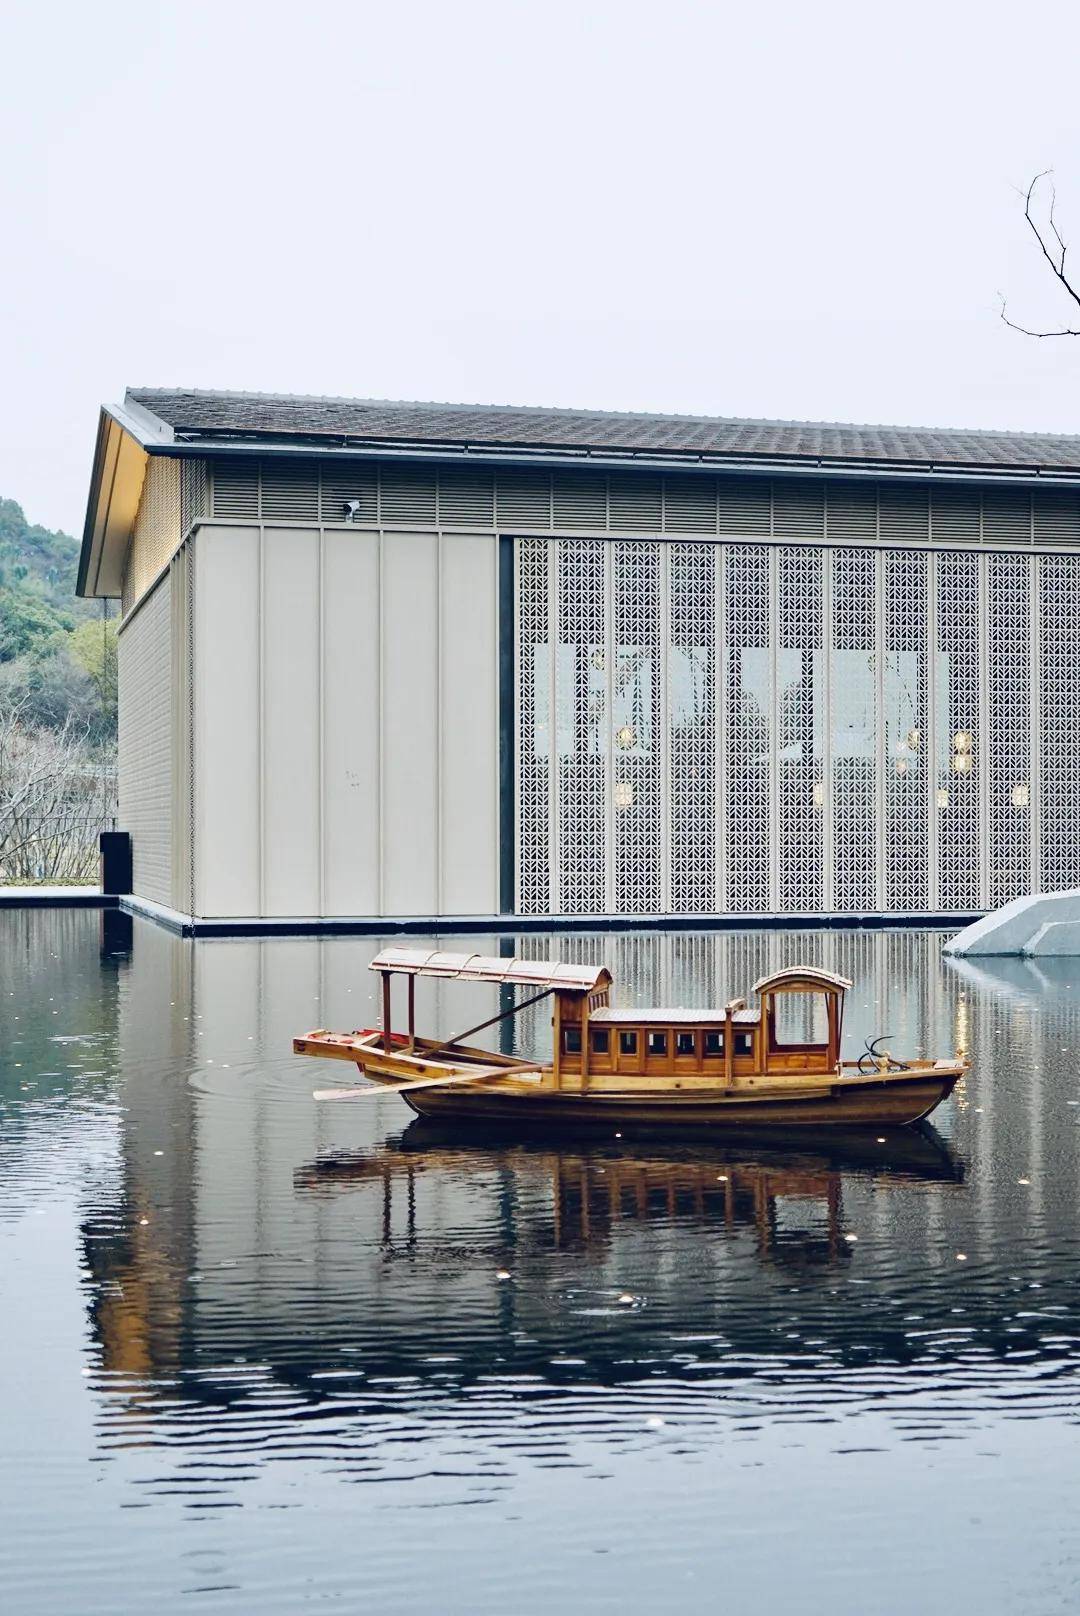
(1007, 515)
(798, 508)
(236, 490)
(1056, 516)
(744, 505)
(843, 511)
(956, 516)
(579, 500)
(467, 499)
(851, 511)
(350, 494)
(290, 492)
(635, 504)
(689, 504)
(407, 495)
(903, 513)
(523, 499)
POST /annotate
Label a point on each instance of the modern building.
(383, 660)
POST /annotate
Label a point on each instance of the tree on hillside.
(1039, 205)
(94, 648)
(57, 708)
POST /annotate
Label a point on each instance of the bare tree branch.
(1054, 255)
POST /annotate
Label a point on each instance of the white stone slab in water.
(1013, 928)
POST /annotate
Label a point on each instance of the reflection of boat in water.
(594, 1187)
(773, 1066)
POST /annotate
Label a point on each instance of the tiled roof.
(270, 417)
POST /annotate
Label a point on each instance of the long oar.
(369, 1089)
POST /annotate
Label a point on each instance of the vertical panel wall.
(227, 722)
(350, 738)
(409, 635)
(145, 762)
(793, 729)
(345, 723)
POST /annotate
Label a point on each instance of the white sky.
(781, 209)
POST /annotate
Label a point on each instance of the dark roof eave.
(211, 445)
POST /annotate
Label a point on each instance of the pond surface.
(256, 1354)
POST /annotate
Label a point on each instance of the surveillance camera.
(352, 509)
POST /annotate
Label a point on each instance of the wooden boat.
(650, 1070)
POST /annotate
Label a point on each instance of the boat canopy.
(489, 968)
(803, 976)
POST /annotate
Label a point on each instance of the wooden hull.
(463, 1085)
(845, 1103)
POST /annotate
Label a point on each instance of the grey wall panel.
(468, 724)
(350, 723)
(145, 751)
(412, 745)
(291, 851)
(227, 741)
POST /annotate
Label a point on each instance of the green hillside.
(57, 656)
(38, 607)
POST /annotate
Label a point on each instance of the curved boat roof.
(812, 976)
(491, 968)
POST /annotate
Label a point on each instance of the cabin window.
(686, 1043)
(628, 1043)
(744, 1043)
(800, 1018)
(657, 1043)
(571, 1040)
(601, 1040)
(714, 1043)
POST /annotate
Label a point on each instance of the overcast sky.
(782, 210)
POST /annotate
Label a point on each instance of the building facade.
(422, 661)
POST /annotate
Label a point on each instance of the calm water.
(255, 1354)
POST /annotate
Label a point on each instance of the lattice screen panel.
(718, 727)
(959, 744)
(1008, 716)
(1058, 799)
(852, 804)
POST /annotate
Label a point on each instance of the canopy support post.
(412, 1013)
(386, 1011)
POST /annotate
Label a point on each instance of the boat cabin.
(796, 1027)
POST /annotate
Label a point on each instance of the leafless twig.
(1054, 255)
